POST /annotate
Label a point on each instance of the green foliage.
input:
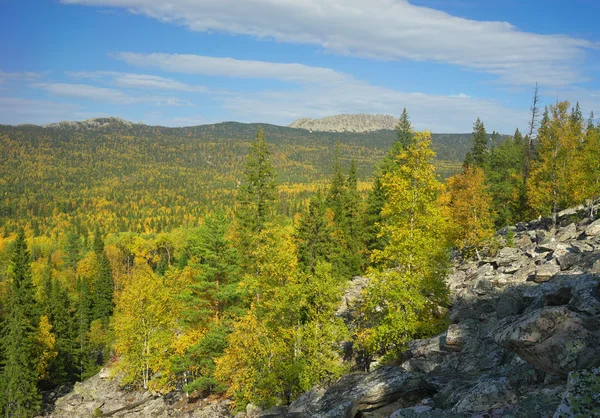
(478, 154)
(403, 296)
(20, 394)
(290, 338)
(505, 179)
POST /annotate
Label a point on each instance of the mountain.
(348, 123)
(123, 172)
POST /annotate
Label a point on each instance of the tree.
(376, 198)
(144, 326)
(103, 284)
(470, 210)
(553, 186)
(404, 292)
(254, 202)
(506, 181)
(21, 397)
(290, 338)
(478, 154)
(211, 302)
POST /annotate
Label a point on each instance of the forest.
(227, 279)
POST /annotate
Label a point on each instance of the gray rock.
(365, 391)
(487, 394)
(593, 229)
(545, 272)
(553, 339)
(582, 397)
(567, 233)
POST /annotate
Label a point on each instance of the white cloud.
(383, 29)
(15, 110)
(24, 76)
(449, 114)
(138, 81)
(231, 67)
(102, 94)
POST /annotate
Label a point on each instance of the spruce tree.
(103, 283)
(478, 154)
(19, 376)
(256, 197)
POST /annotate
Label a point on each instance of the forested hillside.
(179, 258)
(132, 177)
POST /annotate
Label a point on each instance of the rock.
(347, 123)
(253, 411)
(582, 397)
(455, 337)
(553, 339)
(593, 229)
(545, 272)
(365, 391)
(275, 412)
(568, 259)
(487, 394)
(352, 297)
(567, 233)
(524, 241)
(306, 400)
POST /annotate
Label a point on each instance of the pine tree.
(19, 376)
(83, 316)
(478, 154)
(314, 234)
(403, 295)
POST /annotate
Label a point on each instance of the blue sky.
(190, 62)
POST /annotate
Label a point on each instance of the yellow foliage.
(44, 347)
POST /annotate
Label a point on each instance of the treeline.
(245, 303)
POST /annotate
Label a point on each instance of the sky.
(192, 62)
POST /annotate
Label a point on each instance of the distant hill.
(122, 172)
(348, 123)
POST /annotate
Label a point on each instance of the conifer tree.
(314, 234)
(20, 394)
(256, 196)
(505, 180)
(478, 154)
(103, 283)
(211, 301)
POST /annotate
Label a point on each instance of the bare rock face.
(347, 123)
(582, 397)
(553, 339)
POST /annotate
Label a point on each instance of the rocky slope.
(347, 123)
(524, 341)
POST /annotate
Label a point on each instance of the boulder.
(582, 397)
(487, 394)
(545, 272)
(364, 392)
(553, 339)
(593, 229)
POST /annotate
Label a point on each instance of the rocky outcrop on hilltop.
(90, 124)
(524, 338)
(347, 123)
